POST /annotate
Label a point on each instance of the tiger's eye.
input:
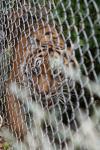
(55, 72)
(38, 63)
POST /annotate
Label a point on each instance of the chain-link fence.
(49, 74)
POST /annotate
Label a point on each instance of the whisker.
(62, 98)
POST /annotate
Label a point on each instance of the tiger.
(39, 57)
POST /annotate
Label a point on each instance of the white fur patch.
(56, 62)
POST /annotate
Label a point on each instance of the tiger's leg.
(15, 117)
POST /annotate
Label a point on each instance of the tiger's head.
(45, 65)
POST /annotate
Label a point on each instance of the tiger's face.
(44, 69)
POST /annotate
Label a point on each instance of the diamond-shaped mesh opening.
(49, 74)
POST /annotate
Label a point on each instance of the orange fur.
(44, 82)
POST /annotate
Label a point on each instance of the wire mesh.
(49, 74)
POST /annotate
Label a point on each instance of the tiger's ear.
(71, 46)
(68, 43)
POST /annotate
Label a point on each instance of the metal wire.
(49, 70)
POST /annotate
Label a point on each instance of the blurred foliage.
(85, 18)
(77, 20)
(6, 146)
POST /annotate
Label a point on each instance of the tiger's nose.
(43, 94)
